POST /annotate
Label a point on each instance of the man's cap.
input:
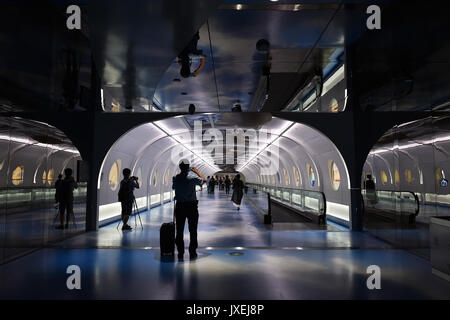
(184, 161)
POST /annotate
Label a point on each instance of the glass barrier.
(303, 200)
(259, 199)
(391, 202)
(19, 199)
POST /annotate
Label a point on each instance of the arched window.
(334, 105)
(166, 177)
(44, 177)
(50, 175)
(408, 175)
(396, 177)
(296, 175)
(440, 175)
(155, 178)
(286, 176)
(17, 176)
(384, 178)
(311, 175)
(139, 175)
(114, 174)
(335, 176)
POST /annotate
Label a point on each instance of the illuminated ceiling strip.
(32, 142)
(179, 142)
(412, 145)
(273, 141)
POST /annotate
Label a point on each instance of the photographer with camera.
(126, 196)
(186, 206)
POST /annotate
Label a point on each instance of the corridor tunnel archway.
(268, 151)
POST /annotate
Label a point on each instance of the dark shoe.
(193, 255)
(126, 227)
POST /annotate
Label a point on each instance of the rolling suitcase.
(167, 237)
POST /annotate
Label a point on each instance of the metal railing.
(29, 198)
(391, 202)
(303, 200)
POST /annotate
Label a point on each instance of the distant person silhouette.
(207, 184)
(65, 197)
(227, 184)
(57, 184)
(371, 193)
(238, 191)
(186, 57)
(186, 206)
(212, 183)
(220, 183)
(126, 196)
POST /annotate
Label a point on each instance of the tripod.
(136, 212)
(69, 215)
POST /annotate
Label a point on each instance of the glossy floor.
(272, 264)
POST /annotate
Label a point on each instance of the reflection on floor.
(34, 228)
(221, 225)
(412, 237)
(316, 264)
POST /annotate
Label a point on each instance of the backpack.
(125, 191)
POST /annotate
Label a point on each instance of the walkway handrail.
(414, 195)
(296, 198)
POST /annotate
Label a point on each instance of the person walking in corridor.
(369, 186)
(64, 190)
(126, 196)
(212, 184)
(238, 191)
(227, 183)
(186, 206)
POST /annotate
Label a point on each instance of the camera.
(134, 178)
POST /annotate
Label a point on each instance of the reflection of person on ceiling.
(189, 54)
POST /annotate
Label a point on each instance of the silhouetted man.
(65, 196)
(238, 193)
(212, 183)
(227, 184)
(126, 196)
(185, 58)
(57, 184)
(369, 185)
(186, 206)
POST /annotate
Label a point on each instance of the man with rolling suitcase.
(186, 206)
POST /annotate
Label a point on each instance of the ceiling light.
(238, 6)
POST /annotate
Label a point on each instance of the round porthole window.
(17, 176)
(114, 174)
(396, 177)
(384, 178)
(286, 176)
(335, 176)
(296, 175)
(334, 105)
